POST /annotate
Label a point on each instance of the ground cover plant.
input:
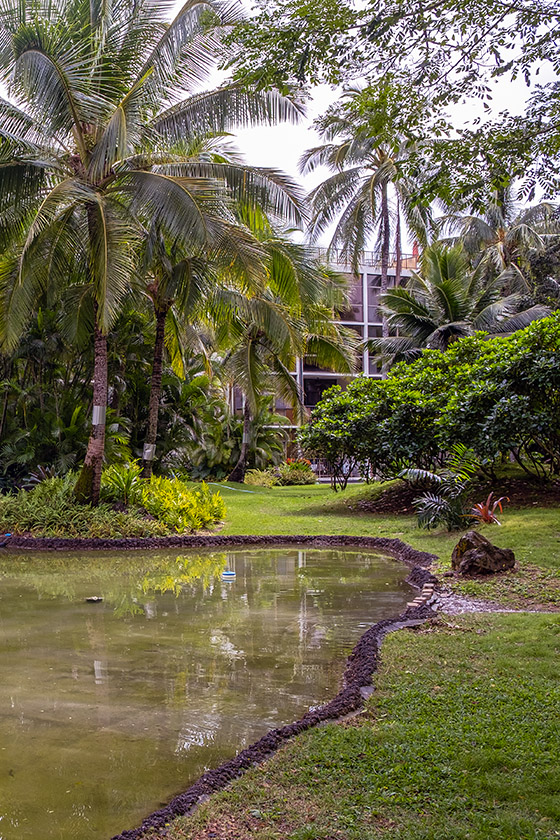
(459, 740)
(143, 508)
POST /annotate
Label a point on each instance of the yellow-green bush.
(171, 501)
(261, 478)
(50, 510)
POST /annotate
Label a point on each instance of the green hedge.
(500, 397)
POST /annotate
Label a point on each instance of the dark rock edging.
(395, 547)
(360, 667)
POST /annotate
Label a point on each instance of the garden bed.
(398, 498)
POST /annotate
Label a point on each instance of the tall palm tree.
(368, 194)
(446, 301)
(90, 147)
(291, 316)
(501, 241)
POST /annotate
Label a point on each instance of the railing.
(334, 256)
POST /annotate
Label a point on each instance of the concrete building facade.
(362, 316)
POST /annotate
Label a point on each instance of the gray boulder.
(475, 555)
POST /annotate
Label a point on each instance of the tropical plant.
(501, 242)
(50, 510)
(291, 316)
(447, 300)
(486, 511)
(446, 501)
(295, 471)
(368, 193)
(90, 147)
(122, 483)
(261, 478)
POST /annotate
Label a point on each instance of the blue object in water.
(228, 574)
(5, 541)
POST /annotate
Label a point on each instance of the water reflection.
(108, 708)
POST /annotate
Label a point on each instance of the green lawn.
(461, 740)
(533, 534)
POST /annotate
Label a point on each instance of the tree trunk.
(8, 372)
(238, 472)
(89, 481)
(398, 246)
(155, 394)
(385, 245)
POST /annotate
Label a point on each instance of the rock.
(475, 555)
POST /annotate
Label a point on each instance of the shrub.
(122, 483)
(171, 501)
(261, 478)
(500, 397)
(297, 471)
(51, 510)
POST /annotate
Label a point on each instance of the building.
(362, 316)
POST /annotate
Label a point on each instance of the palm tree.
(501, 241)
(90, 147)
(181, 289)
(368, 164)
(446, 301)
(291, 316)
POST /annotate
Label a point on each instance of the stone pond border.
(360, 665)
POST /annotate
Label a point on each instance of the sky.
(281, 146)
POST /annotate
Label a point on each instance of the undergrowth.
(167, 506)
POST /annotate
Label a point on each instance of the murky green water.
(109, 709)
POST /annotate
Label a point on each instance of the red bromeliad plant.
(486, 511)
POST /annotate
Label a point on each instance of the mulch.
(521, 493)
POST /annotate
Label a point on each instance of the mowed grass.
(533, 534)
(461, 740)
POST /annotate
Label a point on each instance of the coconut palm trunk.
(398, 246)
(88, 486)
(155, 392)
(238, 472)
(385, 245)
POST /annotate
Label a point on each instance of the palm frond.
(224, 109)
(181, 206)
(112, 259)
(328, 155)
(330, 197)
(521, 319)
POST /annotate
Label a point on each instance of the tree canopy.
(500, 397)
(442, 52)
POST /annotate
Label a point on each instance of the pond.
(110, 708)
